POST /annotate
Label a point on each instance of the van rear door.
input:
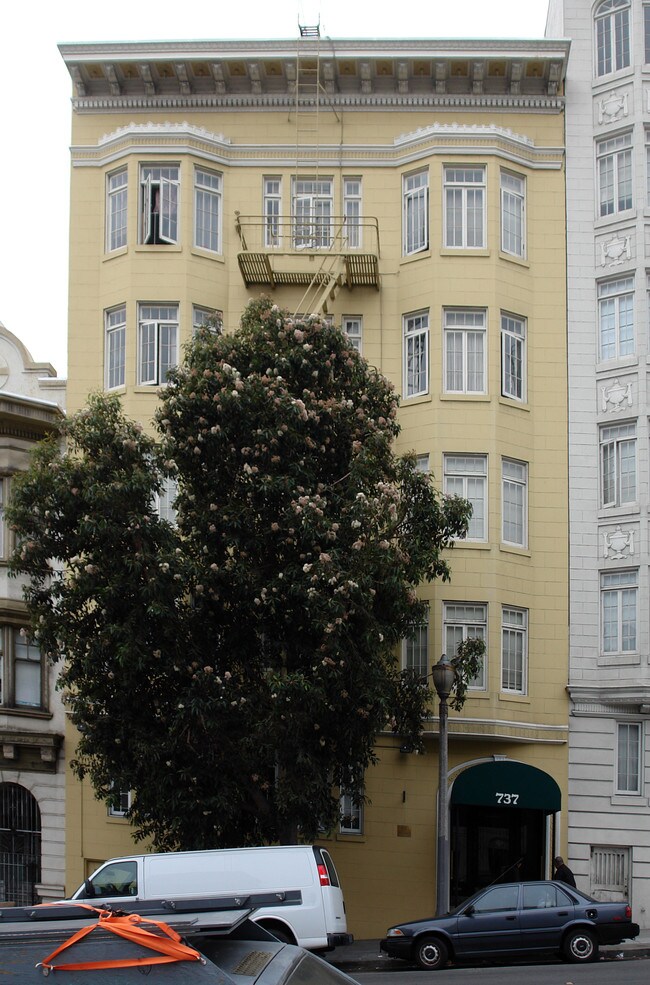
(333, 902)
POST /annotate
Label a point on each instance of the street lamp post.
(443, 675)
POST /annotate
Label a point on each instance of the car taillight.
(628, 911)
(323, 874)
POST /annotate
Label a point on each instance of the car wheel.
(580, 946)
(431, 953)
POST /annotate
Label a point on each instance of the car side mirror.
(89, 888)
(469, 911)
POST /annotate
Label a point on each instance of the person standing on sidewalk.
(563, 872)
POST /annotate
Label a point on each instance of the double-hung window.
(514, 650)
(618, 610)
(612, 19)
(416, 354)
(415, 649)
(513, 214)
(115, 350)
(513, 357)
(353, 328)
(415, 212)
(465, 346)
(312, 213)
(207, 210)
(616, 318)
(116, 210)
(462, 621)
(629, 737)
(352, 212)
(165, 500)
(351, 814)
(272, 206)
(22, 670)
(159, 204)
(614, 167)
(464, 198)
(466, 476)
(618, 467)
(514, 492)
(157, 342)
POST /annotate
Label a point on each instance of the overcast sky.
(35, 91)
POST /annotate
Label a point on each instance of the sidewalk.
(365, 956)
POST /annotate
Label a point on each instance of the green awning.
(507, 784)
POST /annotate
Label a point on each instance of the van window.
(115, 879)
(331, 870)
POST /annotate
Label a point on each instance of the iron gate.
(20, 845)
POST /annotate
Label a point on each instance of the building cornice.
(610, 700)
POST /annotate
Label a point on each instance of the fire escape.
(311, 248)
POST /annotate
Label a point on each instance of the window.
(612, 36)
(210, 318)
(312, 213)
(353, 328)
(618, 465)
(114, 879)
(462, 621)
(616, 318)
(159, 200)
(465, 208)
(464, 332)
(272, 211)
(165, 499)
(157, 342)
(207, 210)
(416, 354)
(609, 870)
(466, 476)
(646, 33)
(122, 803)
(415, 217)
(351, 808)
(21, 670)
(514, 656)
(514, 493)
(618, 605)
(513, 357)
(513, 214)
(415, 649)
(352, 212)
(538, 897)
(499, 898)
(116, 210)
(422, 463)
(5, 542)
(628, 757)
(115, 355)
(614, 165)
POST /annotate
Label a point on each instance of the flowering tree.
(234, 668)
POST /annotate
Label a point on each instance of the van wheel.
(283, 935)
(431, 953)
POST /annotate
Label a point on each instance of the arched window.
(20, 845)
(612, 36)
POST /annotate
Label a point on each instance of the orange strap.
(169, 946)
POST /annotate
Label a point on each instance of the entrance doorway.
(20, 845)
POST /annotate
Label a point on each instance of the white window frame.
(206, 317)
(272, 209)
(351, 815)
(353, 327)
(462, 621)
(312, 211)
(415, 649)
(465, 350)
(116, 210)
(159, 204)
(352, 203)
(513, 214)
(126, 799)
(618, 465)
(415, 212)
(513, 357)
(422, 463)
(611, 37)
(115, 347)
(514, 650)
(514, 502)
(467, 476)
(619, 612)
(629, 758)
(646, 33)
(5, 532)
(164, 500)
(22, 686)
(208, 210)
(155, 321)
(616, 335)
(615, 175)
(610, 866)
(464, 207)
(416, 354)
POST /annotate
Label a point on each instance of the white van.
(317, 923)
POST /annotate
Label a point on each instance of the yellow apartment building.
(412, 190)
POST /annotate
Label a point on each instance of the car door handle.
(563, 913)
(513, 917)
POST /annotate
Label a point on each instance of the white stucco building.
(608, 240)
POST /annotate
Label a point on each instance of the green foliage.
(467, 663)
(231, 669)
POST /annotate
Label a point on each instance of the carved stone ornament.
(617, 396)
(615, 251)
(618, 544)
(612, 107)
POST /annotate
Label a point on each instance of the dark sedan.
(512, 919)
